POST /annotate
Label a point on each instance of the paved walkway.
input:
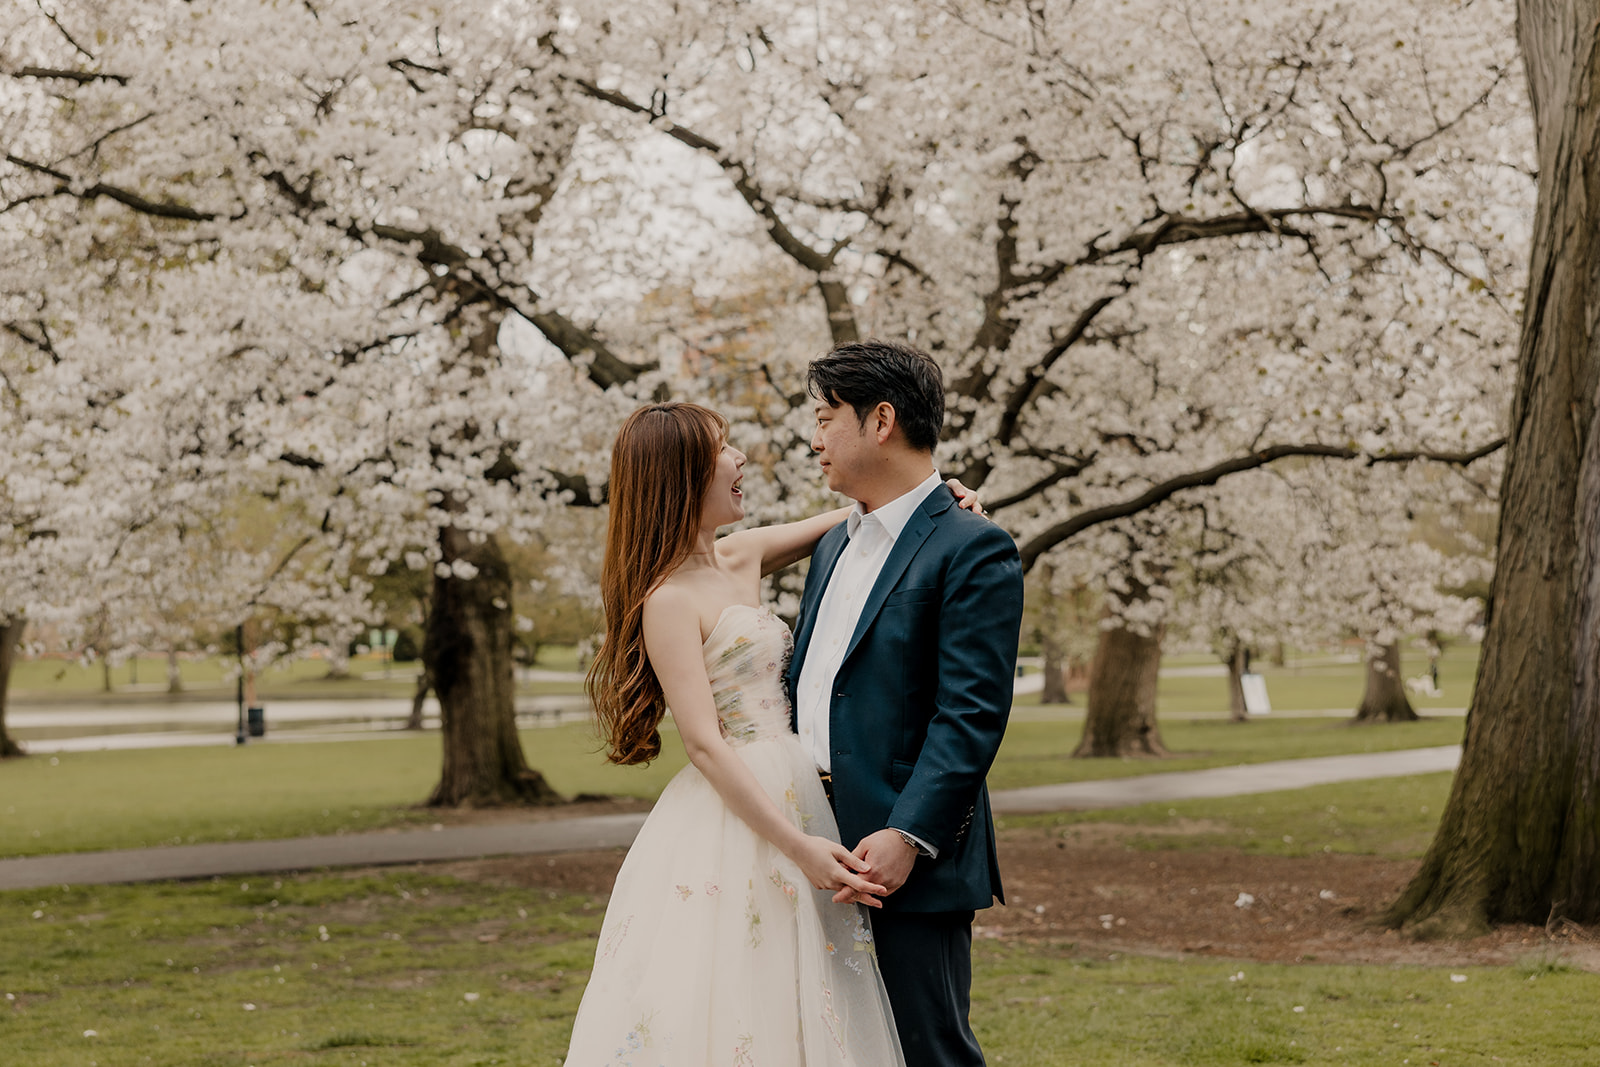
(617, 831)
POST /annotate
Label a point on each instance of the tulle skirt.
(716, 950)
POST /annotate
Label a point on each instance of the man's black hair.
(865, 374)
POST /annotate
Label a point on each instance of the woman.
(721, 944)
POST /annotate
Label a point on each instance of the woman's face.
(724, 503)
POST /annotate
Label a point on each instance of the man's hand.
(891, 858)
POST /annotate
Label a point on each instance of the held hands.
(829, 865)
(966, 498)
(889, 857)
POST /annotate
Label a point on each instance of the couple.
(738, 930)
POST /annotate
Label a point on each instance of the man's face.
(844, 447)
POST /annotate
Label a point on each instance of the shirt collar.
(896, 513)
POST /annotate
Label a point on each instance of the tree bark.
(1519, 840)
(1385, 699)
(1237, 711)
(1050, 646)
(420, 697)
(10, 636)
(466, 650)
(174, 675)
(1121, 718)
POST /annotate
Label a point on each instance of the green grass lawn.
(407, 969)
(96, 800)
(1039, 752)
(143, 680)
(1384, 817)
(1319, 683)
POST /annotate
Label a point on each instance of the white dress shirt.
(872, 537)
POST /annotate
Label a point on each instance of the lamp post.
(238, 637)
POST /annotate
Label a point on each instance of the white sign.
(1255, 694)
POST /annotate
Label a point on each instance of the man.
(905, 648)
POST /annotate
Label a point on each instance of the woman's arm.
(785, 543)
(672, 641)
(790, 542)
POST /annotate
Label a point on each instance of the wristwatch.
(908, 839)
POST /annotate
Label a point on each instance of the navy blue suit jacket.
(921, 699)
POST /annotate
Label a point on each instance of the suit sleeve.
(980, 617)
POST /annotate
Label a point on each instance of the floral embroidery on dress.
(684, 892)
(635, 1040)
(861, 934)
(712, 889)
(830, 1019)
(787, 887)
(742, 1054)
(752, 916)
(614, 938)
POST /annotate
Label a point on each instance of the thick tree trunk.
(1237, 711)
(466, 650)
(1520, 837)
(1121, 719)
(174, 675)
(10, 636)
(1385, 699)
(1050, 646)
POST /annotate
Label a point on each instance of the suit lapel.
(916, 531)
(823, 560)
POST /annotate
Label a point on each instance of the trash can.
(257, 721)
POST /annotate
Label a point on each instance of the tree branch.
(1163, 491)
(165, 209)
(835, 298)
(82, 77)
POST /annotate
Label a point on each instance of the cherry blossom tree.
(329, 211)
(1154, 246)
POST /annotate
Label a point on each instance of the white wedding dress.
(716, 951)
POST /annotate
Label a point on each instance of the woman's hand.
(829, 865)
(966, 498)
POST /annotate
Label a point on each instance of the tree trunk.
(1519, 840)
(10, 636)
(1055, 667)
(105, 672)
(174, 675)
(420, 697)
(1121, 720)
(1237, 711)
(1385, 699)
(466, 650)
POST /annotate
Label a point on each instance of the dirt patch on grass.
(1105, 896)
(1098, 893)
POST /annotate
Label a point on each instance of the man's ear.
(883, 421)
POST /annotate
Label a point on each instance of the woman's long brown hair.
(662, 462)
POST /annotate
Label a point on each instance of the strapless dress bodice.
(747, 654)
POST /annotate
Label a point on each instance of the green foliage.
(407, 646)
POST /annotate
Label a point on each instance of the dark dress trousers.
(918, 709)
